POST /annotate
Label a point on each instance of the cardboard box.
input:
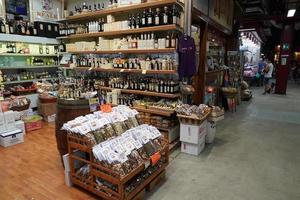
(211, 132)
(9, 118)
(21, 125)
(31, 126)
(193, 149)
(193, 133)
(50, 118)
(2, 123)
(47, 109)
(68, 180)
(11, 138)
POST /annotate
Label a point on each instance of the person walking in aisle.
(268, 72)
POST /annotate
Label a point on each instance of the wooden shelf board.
(127, 51)
(30, 67)
(137, 71)
(153, 111)
(27, 55)
(27, 81)
(141, 6)
(145, 93)
(124, 32)
(174, 144)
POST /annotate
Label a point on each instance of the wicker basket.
(21, 108)
(194, 120)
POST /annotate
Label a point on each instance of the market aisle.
(255, 156)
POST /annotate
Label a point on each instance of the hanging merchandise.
(187, 56)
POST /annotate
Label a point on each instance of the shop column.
(282, 71)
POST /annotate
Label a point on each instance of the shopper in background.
(261, 66)
(268, 72)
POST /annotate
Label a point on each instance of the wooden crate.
(157, 181)
(99, 171)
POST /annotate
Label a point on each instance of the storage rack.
(98, 171)
(111, 34)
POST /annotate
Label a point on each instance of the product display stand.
(98, 171)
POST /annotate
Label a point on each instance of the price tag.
(122, 70)
(106, 108)
(155, 158)
(144, 71)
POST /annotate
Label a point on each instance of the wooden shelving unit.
(125, 9)
(136, 71)
(170, 27)
(145, 93)
(127, 51)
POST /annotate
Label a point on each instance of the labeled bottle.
(133, 22)
(150, 18)
(174, 14)
(165, 16)
(157, 17)
(144, 19)
(2, 27)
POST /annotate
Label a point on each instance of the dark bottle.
(144, 19)
(138, 21)
(150, 18)
(102, 6)
(99, 6)
(165, 16)
(157, 17)
(11, 28)
(95, 7)
(174, 15)
(2, 27)
(90, 8)
(133, 22)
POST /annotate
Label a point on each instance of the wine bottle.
(157, 17)
(137, 21)
(144, 19)
(2, 27)
(150, 18)
(165, 16)
(133, 22)
(130, 21)
(174, 15)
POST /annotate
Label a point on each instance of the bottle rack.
(98, 171)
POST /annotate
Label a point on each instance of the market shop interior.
(149, 99)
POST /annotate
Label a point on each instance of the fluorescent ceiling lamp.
(291, 13)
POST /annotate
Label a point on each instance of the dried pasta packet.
(99, 135)
(129, 124)
(143, 154)
(133, 121)
(109, 131)
(91, 138)
(119, 127)
(118, 169)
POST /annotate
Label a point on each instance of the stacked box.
(192, 137)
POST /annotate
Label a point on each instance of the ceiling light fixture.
(291, 13)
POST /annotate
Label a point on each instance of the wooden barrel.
(67, 110)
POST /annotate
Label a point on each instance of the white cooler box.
(192, 133)
(11, 138)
